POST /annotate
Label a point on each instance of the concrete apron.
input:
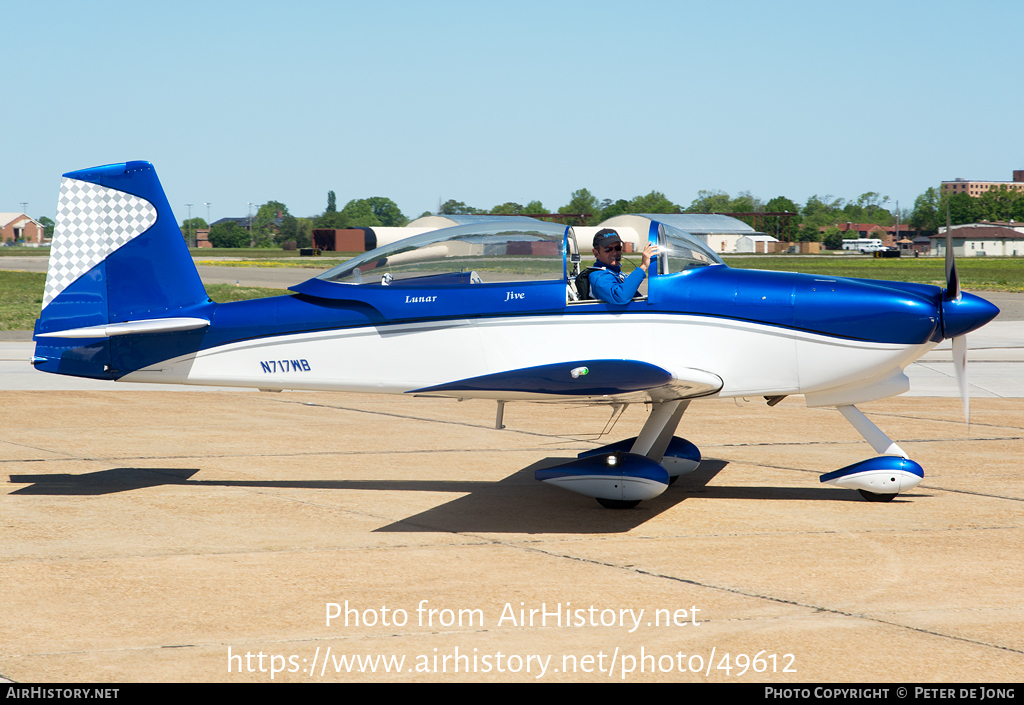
(188, 536)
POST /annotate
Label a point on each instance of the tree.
(582, 201)
(453, 207)
(818, 212)
(298, 229)
(963, 208)
(1017, 212)
(710, 202)
(303, 232)
(807, 233)
(229, 234)
(779, 227)
(189, 227)
(387, 212)
(833, 238)
(868, 209)
(359, 213)
(270, 209)
(610, 210)
(48, 226)
(998, 203)
(745, 202)
(330, 219)
(265, 226)
(654, 202)
(509, 208)
(925, 216)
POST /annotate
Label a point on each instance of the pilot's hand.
(650, 251)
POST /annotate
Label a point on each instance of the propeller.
(961, 313)
(953, 294)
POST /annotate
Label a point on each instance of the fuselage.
(488, 309)
(762, 333)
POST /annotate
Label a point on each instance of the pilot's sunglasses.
(617, 248)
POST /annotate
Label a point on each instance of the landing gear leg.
(622, 474)
(657, 431)
(653, 441)
(872, 433)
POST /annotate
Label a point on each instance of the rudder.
(117, 257)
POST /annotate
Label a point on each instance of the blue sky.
(487, 102)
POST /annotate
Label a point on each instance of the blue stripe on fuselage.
(852, 309)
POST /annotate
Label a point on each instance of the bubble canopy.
(497, 251)
(481, 252)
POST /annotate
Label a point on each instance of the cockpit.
(498, 252)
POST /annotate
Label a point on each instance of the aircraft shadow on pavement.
(516, 504)
(103, 481)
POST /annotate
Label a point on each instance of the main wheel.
(618, 503)
(875, 497)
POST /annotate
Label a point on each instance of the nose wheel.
(617, 503)
(876, 496)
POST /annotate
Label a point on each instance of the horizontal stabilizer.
(153, 325)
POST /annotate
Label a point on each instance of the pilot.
(607, 282)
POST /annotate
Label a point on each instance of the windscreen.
(678, 250)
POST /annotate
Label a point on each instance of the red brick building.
(18, 226)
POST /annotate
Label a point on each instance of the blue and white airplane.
(491, 311)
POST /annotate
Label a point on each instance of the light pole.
(190, 241)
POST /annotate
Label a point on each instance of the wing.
(614, 381)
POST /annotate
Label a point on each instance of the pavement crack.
(768, 598)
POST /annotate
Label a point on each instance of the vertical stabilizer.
(117, 256)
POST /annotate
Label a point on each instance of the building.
(18, 226)
(631, 240)
(1012, 225)
(362, 239)
(246, 221)
(922, 245)
(758, 243)
(978, 188)
(980, 240)
(243, 222)
(719, 232)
